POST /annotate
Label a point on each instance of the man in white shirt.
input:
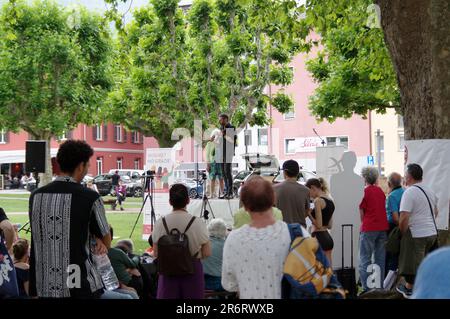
(418, 211)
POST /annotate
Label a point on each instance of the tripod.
(148, 183)
(205, 204)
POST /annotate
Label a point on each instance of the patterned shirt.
(64, 218)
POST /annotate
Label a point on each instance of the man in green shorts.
(214, 169)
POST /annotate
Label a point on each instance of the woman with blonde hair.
(321, 215)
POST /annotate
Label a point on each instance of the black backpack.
(174, 256)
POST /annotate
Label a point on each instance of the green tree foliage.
(353, 67)
(54, 67)
(219, 56)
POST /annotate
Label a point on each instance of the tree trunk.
(46, 177)
(417, 36)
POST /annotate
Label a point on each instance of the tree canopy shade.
(54, 68)
(219, 56)
(353, 68)
(357, 72)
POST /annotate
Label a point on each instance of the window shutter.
(70, 135)
(94, 133)
(141, 138)
(124, 134)
(105, 132)
(115, 133)
(7, 137)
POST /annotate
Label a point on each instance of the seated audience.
(212, 265)
(21, 251)
(126, 269)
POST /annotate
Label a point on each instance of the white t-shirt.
(253, 260)
(415, 203)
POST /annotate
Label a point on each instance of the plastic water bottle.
(106, 271)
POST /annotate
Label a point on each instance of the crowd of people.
(245, 261)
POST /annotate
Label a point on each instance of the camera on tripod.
(148, 176)
(203, 176)
(149, 173)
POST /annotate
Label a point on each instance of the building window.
(3, 137)
(262, 137)
(401, 142)
(137, 163)
(99, 165)
(136, 137)
(337, 141)
(400, 121)
(119, 163)
(289, 145)
(289, 115)
(118, 133)
(99, 132)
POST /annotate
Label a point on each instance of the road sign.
(370, 160)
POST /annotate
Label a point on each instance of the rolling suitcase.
(347, 275)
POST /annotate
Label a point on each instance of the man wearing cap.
(292, 198)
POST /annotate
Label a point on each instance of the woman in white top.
(254, 254)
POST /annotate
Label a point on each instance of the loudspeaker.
(35, 156)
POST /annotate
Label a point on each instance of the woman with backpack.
(180, 241)
(321, 216)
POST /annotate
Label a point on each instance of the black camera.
(203, 175)
(149, 174)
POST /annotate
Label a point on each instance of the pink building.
(292, 135)
(114, 148)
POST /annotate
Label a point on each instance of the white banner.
(434, 158)
(162, 162)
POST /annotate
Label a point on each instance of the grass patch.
(18, 203)
(121, 223)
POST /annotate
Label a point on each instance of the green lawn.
(122, 224)
(19, 203)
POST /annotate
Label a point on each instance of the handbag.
(436, 242)
(393, 241)
(8, 279)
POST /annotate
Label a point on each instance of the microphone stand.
(322, 140)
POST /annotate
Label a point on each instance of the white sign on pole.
(434, 158)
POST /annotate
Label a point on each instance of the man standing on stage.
(225, 152)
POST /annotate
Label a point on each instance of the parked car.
(195, 190)
(134, 174)
(104, 185)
